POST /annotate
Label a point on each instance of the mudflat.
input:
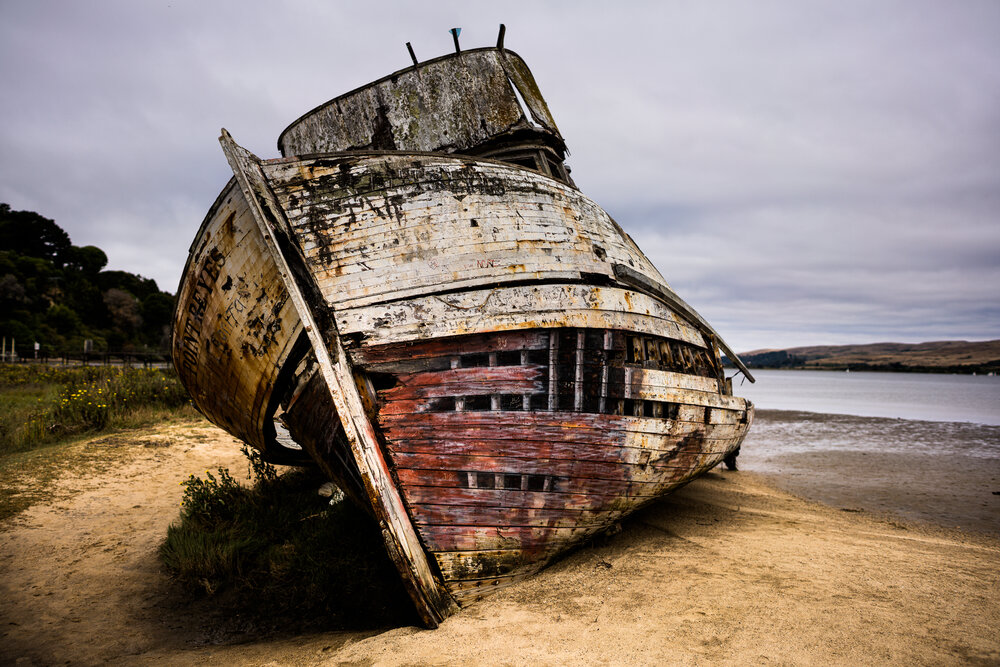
(729, 570)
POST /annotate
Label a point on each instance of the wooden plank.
(418, 495)
(404, 219)
(475, 565)
(599, 490)
(470, 591)
(640, 468)
(512, 309)
(651, 380)
(468, 381)
(627, 452)
(649, 384)
(371, 356)
(432, 601)
(458, 515)
(477, 584)
(548, 426)
(630, 451)
(480, 538)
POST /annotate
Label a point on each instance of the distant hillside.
(950, 356)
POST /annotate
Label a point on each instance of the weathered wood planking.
(466, 381)
(439, 223)
(424, 484)
(235, 324)
(453, 103)
(494, 492)
(615, 464)
(644, 383)
(515, 308)
(473, 590)
(582, 428)
(485, 538)
(377, 357)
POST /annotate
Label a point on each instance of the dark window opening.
(475, 360)
(511, 402)
(478, 403)
(509, 358)
(539, 402)
(444, 404)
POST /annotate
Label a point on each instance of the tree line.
(60, 295)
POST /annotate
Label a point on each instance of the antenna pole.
(503, 29)
(454, 35)
(413, 56)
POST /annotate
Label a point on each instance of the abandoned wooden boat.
(418, 300)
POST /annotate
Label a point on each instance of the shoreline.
(940, 473)
(727, 570)
(974, 369)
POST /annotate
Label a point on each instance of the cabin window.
(527, 162)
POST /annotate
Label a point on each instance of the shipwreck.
(417, 299)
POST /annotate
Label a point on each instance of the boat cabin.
(482, 102)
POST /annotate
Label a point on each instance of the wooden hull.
(509, 448)
(473, 351)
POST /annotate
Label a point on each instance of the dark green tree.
(59, 294)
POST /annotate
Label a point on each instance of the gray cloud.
(801, 172)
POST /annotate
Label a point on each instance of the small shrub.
(282, 554)
(209, 499)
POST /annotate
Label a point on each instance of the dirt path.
(726, 571)
(79, 576)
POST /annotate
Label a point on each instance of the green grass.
(281, 556)
(45, 411)
(43, 405)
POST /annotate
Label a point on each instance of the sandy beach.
(729, 570)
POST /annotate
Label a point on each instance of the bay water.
(924, 447)
(921, 396)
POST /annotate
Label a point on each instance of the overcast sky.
(801, 172)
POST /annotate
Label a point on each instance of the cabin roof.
(452, 103)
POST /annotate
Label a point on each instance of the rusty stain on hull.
(419, 301)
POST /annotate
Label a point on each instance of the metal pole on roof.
(455, 32)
